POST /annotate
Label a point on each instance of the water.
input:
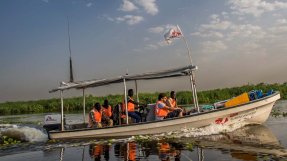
(256, 142)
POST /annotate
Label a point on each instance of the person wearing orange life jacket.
(163, 111)
(107, 113)
(131, 106)
(107, 109)
(95, 116)
(171, 102)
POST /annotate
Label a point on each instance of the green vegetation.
(4, 140)
(183, 97)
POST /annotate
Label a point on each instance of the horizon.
(233, 42)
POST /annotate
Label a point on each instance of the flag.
(174, 32)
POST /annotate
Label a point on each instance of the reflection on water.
(250, 143)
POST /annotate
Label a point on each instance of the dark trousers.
(135, 115)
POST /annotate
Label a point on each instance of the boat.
(252, 112)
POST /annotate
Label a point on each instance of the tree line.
(183, 97)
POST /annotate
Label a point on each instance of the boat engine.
(52, 122)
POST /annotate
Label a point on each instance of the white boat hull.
(255, 112)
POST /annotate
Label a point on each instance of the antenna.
(71, 66)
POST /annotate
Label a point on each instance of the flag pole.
(192, 79)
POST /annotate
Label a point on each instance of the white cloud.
(157, 30)
(89, 4)
(208, 34)
(127, 6)
(130, 19)
(278, 30)
(281, 21)
(149, 6)
(151, 47)
(47, 1)
(246, 31)
(216, 23)
(255, 7)
(213, 46)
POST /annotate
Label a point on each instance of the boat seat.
(151, 112)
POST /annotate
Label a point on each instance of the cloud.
(151, 47)
(281, 21)
(255, 7)
(157, 30)
(127, 6)
(149, 6)
(89, 4)
(213, 46)
(47, 1)
(246, 31)
(208, 34)
(216, 23)
(130, 19)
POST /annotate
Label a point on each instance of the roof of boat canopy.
(176, 72)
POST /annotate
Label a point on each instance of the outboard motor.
(52, 122)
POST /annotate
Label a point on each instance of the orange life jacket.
(97, 116)
(172, 102)
(131, 106)
(107, 111)
(160, 112)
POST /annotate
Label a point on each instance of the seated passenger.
(107, 113)
(163, 111)
(171, 102)
(131, 107)
(95, 116)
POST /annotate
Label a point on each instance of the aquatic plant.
(5, 140)
(276, 113)
(189, 146)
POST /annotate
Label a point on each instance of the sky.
(233, 43)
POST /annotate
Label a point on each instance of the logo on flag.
(174, 32)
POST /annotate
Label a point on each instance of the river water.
(217, 143)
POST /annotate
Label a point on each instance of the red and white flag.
(174, 32)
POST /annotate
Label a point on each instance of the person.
(107, 113)
(171, 102)
(131, 106)
(163, 111)
(95, 116)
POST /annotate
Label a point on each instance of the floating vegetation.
(277, 113)
(189, 146)
(5, 140)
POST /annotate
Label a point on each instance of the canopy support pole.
(84, 106)
(137, 93)
(126, 101)
(62, 111)
(192, 80)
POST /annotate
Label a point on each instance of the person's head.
(162, 97)
(106, 103)
(130, 92)
(97, 106)
(172, 94)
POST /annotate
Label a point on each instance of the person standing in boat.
(163, 111)
(132, 104)
(107, 113)
(95, 116)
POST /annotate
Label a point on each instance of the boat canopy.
(176, 72)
